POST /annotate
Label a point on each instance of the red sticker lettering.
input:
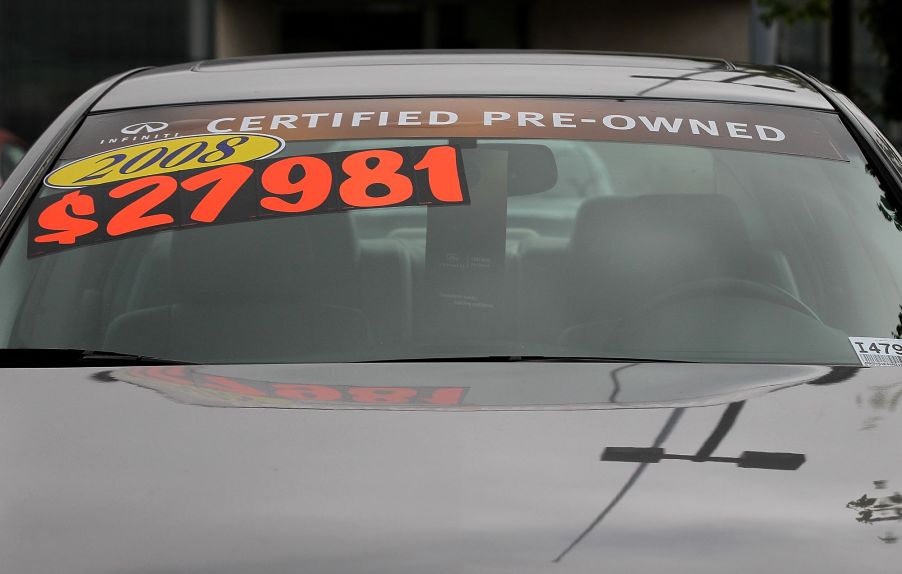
(312, 188)
(371, 168)
(286, 186)
(441, 168)
(134, 216)
(56, 217)
(226, 180)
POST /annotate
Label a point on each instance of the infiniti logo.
(148, 127)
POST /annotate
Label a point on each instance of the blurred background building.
(52, 50)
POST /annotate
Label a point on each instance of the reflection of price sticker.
(197, 387)
(878, 352)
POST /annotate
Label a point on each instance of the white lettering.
(251, 123)
(409, 118)
(283, 121)
(777, 136)
(628, 122)
(213, 126)
(659, 121)
(359, 117)
(488, 118)
(314, 118)
(450, 118)
(562, 120)
(336, 119)
(710, 127)
(383, 118)
(529, 117)
(738, 130)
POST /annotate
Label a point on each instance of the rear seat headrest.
(624, 249)
(281, 258)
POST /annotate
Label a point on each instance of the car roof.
(461, 73)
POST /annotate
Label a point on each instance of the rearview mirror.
(531, 168)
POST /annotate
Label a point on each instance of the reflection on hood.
(454, 386)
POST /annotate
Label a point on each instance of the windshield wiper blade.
(56, 358)
(523, 359)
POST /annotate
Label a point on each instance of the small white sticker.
(878, 352)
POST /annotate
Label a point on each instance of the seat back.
(258, 290)
(624, 252)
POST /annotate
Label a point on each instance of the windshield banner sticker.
(759, 128)
(236, 192)
(877, 352)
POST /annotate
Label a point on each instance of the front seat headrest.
(624, 250)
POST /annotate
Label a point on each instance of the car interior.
(661, 260)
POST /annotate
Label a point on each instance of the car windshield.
(409, 229)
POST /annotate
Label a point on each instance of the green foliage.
(791, 11)
(881, 17)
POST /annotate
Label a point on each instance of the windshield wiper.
(57, 358)
(523, 359)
